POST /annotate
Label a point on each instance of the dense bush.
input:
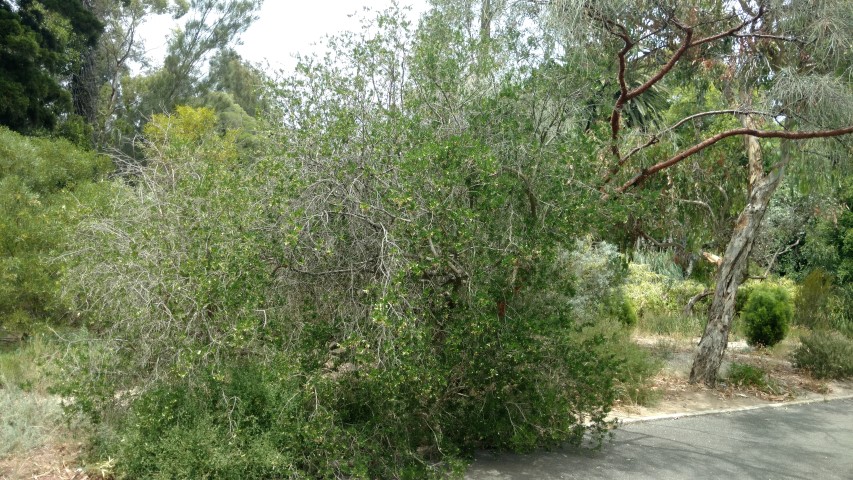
(746, 375)
(658, 261)
(825, 354)
(812, 302)
(780, 283)
(750, 376)
(840, 308)
(246, 323)
(766, 315)
(262, 421)
(655, 296)
(41, 183)
(742, 295)
(829, 249)
(635, 372)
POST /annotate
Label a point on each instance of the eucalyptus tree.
(96, 87)
(784, 70)
(247, 84)
(211, 25)
(126, 100)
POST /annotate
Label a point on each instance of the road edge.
(675, 416)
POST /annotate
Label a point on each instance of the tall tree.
(96, 85)
(231, 74)
(785, 93)
(212, 26)
(40, 47)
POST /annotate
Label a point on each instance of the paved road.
(813, 441)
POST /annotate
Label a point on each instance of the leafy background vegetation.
(416, 246)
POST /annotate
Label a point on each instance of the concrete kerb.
(675, 416)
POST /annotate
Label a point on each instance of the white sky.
(284, 28)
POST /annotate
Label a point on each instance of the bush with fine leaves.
(369, 293)
(766, 315)
(825, 354)
(42, 182)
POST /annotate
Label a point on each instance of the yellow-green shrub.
(654, 294)
(39, 182)
(825, 354)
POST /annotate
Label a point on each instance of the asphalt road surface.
(811, 441)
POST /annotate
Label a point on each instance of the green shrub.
(637, 368)
(249, 324)
(249, 424)
(742, 295)
(658, 261)
(825, 355)
(597, 271)
(25, 366)
(746, 375)
(272, 419)
(674, 324)
(625, 312)
(653, 294)
(811, 305)
(840, 308)
(749, 376)
(746, 288)
(39, 182)
(766, 315)
(28, 414)
(619, 308)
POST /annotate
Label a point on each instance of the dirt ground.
(679, 397)
(59, 460)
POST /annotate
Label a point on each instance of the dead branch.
(688, 309)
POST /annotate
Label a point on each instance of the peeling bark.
(713, 344)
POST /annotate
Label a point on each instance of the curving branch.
(734, 30)
(626, 95)
(655, 138)
(686, 153)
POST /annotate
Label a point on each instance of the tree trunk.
(733, 266)
(486, 14)
(84, 87)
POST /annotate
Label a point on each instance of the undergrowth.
(825, 354)
(28, 415)
(744, 375)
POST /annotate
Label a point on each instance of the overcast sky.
(284, 28)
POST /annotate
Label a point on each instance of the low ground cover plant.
(749, 376)
(29, 417)
(825, 354)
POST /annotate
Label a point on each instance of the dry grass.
(35, 441)
(55, 460)
(27, 420)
